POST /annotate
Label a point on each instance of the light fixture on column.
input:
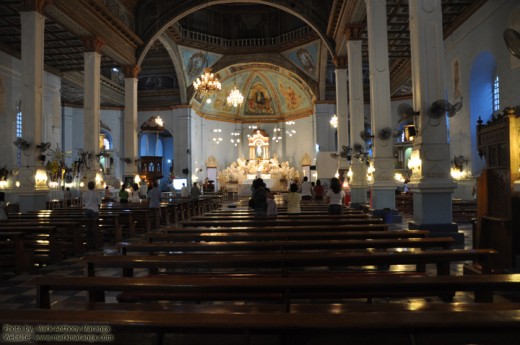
(288, 131)
(217, 137)
(334, 121)
(277, 135)
(235, 136)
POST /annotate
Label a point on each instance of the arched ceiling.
(271, 94)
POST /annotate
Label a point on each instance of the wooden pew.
(13, 253)
(69, 232)
(270, 221)
(286, 263)
(285, 246)
(233, 216)
(281, 228)
(446, 326)
(285, 289)
(42, 241)
(226, 235)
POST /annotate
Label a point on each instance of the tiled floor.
(16, 292)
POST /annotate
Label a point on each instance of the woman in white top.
(134, 193)
(293, 199)
(335, 197)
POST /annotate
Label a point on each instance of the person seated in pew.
(335, 197)
(272, 210)
(134, 194)
(319, 191)
(293, 199)
(259, 198)
(123, 194)
(91, 201)
(306, 189)
(185, 193)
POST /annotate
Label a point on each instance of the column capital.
(341, 62)
(35, 5)
(93, 44)
(131, 71)
(353, 32)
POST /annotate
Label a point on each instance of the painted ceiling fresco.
(194, 61)
(305, 58)
(270, 93)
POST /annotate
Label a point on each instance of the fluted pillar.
(130, 120)
(431, 182)
(383, 188)
(91, 108)
(358, 181)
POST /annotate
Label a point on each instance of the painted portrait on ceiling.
(196, 64)
(258, 101)
(306, 60)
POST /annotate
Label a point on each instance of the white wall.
(481, 33)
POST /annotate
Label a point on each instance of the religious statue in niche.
(258, 102)
(305, 59)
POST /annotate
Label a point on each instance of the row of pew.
(229, 277)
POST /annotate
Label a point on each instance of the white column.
(33, 26)
(383, 188)
(358, 181)
(342, 106)
(130, 119)
(91, 105)
(431, 182)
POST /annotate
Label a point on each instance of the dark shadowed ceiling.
(160, 36)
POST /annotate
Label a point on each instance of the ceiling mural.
(306, 58)
(270, 93)
(258, 99)
(194, 61)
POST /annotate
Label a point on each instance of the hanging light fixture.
(235, 98)
(207, 82)
(334, 121)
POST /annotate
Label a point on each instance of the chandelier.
(235, 98)
(207, 82)
(334, 121)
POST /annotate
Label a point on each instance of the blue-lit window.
(19, 132)
(496, 94)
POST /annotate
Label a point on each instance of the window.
(496, 94)
(19, 132)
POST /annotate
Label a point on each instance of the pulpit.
(498, 200)
(151, 168)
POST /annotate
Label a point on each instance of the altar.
(238, 177)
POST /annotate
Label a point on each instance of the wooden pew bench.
(224, 236)
(287, 264)
(282, 228)
(284, 289)
(452, 327)
(114, 225)
(284, 246)
(13, 254)
(42, 241)
(273, 221)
